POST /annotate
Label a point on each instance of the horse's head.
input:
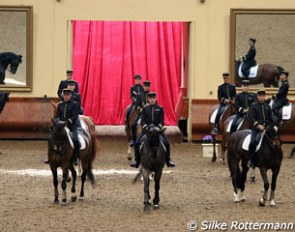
(153, 138)
(272, 133)
(15, 61)
(58, 132)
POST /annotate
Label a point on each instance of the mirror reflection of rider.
(226, 95)
(140, 102)
(152, 113)
(249, 59)
(260, 115)
(242, 103)
(135, 90)
(280, 99)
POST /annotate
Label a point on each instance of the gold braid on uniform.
(263, 113)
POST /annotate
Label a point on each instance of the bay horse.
(60, 154)
(267, 74)
(228, 111)
(153, 156)
(270, 157)
(128, 130)
(8, 59)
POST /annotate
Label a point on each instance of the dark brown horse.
(270, 157)
(267, 74)
(60, 153)
(229, 110)
(152, 160)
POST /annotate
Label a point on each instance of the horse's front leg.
(292, 152)
(157, 179)
(275, 174)
(55, 184)
(214, 147)
(146, 182)
(245, 170)
(266, 186)
(73, 190)
(129, 157)
(64, 185)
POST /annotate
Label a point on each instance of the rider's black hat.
(152, 94)
(226, 74)
(71, 82)
(285, 72)
(261, 92)
(137, 77)
(69, 72)
(253, 40)
(66, 91)
(147, 83)
(245, 82)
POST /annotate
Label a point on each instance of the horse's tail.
(94, 149)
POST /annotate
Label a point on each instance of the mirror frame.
(232, 42)
(29, 49)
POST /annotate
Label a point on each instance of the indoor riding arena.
(178, 51)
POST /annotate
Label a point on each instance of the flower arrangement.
(207, 139)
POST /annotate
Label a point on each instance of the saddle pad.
(253, 71)
(83, 125)
(213, 116)
(240, 122)
(81, 139)
(247, 141)
(229, 125)
(287, 112)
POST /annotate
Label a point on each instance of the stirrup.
(214, 131)
(131, 143)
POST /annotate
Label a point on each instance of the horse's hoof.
(129, 158)
(156, 206)
(273, 203)
(261, 202)
(73, 198)
(64, 202)
(81, 198)
(213, 159)
(146, 208)
(222, 161)
(56, 202)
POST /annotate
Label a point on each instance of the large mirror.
(16, 48)
(275, 44)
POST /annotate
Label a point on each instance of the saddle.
(252, 73)
(214, 114)
(285, 112)
(238, 125)
(82, 135)
(247, 140)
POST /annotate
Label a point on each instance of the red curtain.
(106, 56)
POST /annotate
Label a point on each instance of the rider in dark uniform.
(140, 102)
(226, 95)
(260, 115)
(68, 111)
(64, 84)
(249, 58)
(280, 99)
(242, 102)
(75, 96)
(135, 90)
(152, 113)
